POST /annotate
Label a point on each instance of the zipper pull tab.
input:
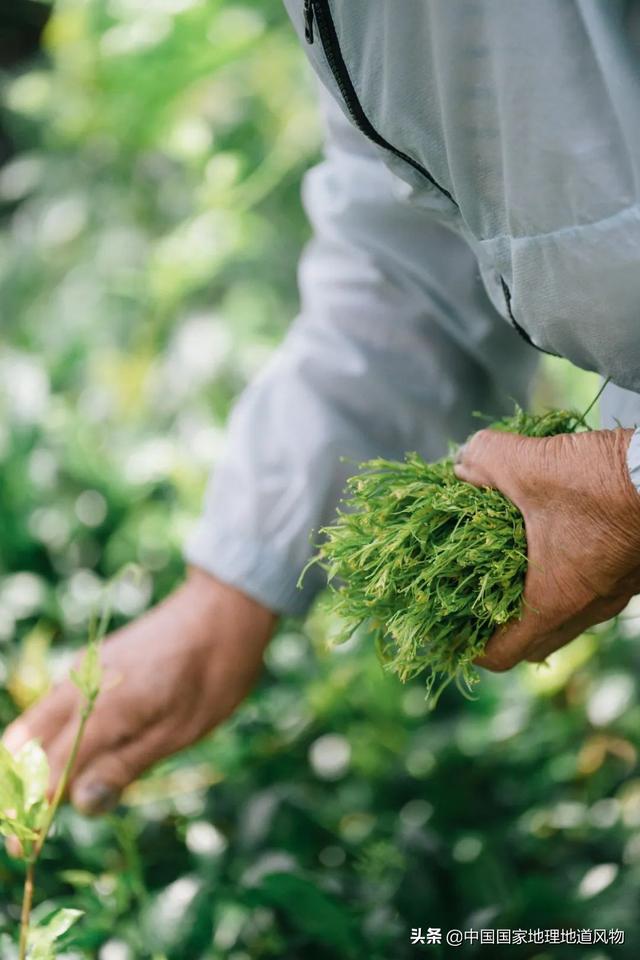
(308, 20)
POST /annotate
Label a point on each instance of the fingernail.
(15, 736)
(95, 798)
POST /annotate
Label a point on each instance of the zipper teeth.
(308, 20)
(331, 47)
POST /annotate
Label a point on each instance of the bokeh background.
(151, 153)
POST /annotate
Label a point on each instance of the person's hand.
(169, 678)
(582, 519)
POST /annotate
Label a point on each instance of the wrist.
(633, 457)
(624, 506)
(208, 591)
(228, 632)
(222, 614)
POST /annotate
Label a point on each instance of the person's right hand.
(582, 519)
(169, 678)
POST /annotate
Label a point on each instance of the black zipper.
(319, 12)
(308, 21)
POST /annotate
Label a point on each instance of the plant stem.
(27, 900)
(124, 831)
(595, 400)
(64, 780)
(25, 915)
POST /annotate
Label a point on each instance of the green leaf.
(36, 816)
(312, 911)
(39, 948)
(24, 780)
(32, 767)
(41, 951)
(11, 786)
(42, 938)
(12, 827)
(88, 677)
(60, 922)
(77, 878)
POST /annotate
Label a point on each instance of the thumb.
(96, 790)
(491, 458)
(97, 787)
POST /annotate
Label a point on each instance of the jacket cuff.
(257, 569)
(633, 459)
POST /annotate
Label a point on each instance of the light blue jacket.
(482, 166)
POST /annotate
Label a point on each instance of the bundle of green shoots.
(428, 565)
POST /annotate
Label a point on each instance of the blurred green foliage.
(148, 242)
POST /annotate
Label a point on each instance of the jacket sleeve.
(396, 343)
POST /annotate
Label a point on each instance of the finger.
(101, 782)
(114, 723)
(556, 640)
(59, 751)
(531, 637)
(486, 459)
(599, 611)
(527, 639)
(105, 732)
(13, 848)
(43, 721)
(510, 644)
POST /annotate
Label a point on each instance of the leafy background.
(149, 230)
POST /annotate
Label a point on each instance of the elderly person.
(479, 198)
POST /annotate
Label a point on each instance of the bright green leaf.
(42, 938)
(61, 921)
(32, 767)
(11, 827)
(88, 677)
(11, 786)
(40, 950)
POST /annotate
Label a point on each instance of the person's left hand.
(582, 519)
(169, 677)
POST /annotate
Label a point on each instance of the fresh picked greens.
(429, 565)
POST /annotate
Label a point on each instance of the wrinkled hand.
(582, 519)
(169, 678)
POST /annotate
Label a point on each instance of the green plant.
(26, 813)
(429, 565)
